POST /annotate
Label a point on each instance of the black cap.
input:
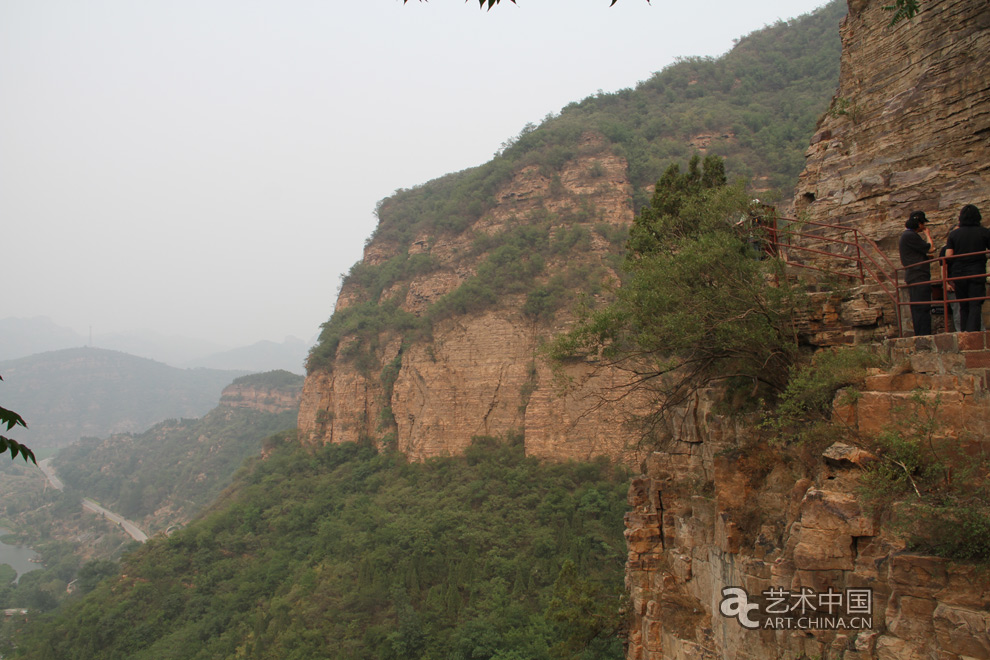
(916, 219)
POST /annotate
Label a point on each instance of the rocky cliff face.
(480, 374)
(909, 127)
(269, 399)
(708, 516)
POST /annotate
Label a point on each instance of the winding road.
(127, 525)
(93, 506)
(46, 467)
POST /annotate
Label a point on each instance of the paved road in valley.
(46, 467)
(91, 505)
(128, 526)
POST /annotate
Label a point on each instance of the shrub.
(938, 495)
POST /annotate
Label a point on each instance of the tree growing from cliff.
(697, 305)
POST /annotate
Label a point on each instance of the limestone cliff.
(422, 355)
(909, 127)
(707, 516)
(479, 374)
(273, 392)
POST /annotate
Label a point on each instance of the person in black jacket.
(949, 293)
(973, 240)
(915, 246)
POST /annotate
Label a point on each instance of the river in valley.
(18, 556)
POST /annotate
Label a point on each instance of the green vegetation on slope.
(700, 303)
(756, 106)
(346, 553)
(183, 464)
(767, 93)
(54, 525)
(275, 379)
(511, 262)
(932, 488)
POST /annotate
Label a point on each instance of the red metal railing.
(943, 280)
(869, 261)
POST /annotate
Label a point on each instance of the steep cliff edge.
(478, 373)
(436, 332)
(730, 513)
(908, 129)
(271, 392)
(416, 358)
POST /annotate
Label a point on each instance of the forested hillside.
(756, 106)
(160, 478)
(346, 553)
(166, 474)
(65, 395)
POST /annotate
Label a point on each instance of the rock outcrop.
(269, 399)
(707, 517)
(481, 374)
(909, 127)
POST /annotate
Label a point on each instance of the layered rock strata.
(908, 129)
(481, 374)
(271, 399)
(706, 518)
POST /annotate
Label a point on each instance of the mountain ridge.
(74, 392)
(24, 337)
(436, 333)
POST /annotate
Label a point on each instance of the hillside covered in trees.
(349, 554)
(351, 550)
(166, 474)
(756, 107)
(67, 394)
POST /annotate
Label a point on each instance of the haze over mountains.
(21, 337)
(341, 551)
(83, 392)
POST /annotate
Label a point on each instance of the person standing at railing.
(916, 246)
(973, 240)
(949, 272)
(948, 292)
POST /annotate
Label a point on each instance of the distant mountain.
(261, 356)
(67, 394)
(22, 337)
(171, 349)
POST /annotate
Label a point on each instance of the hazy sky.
(209, 168)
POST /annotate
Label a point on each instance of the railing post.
(943, 270)
(859, 257)
(898, 303)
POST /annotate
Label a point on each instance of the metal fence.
(857, 257)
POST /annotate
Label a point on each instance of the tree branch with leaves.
(12, 419)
